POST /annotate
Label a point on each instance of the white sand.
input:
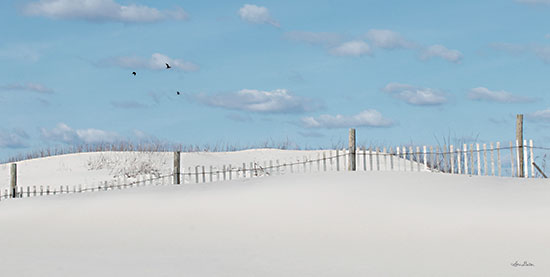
(318, 224)
(89, 169)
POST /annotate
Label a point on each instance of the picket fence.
(472, 159)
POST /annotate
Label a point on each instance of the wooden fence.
(487, 159)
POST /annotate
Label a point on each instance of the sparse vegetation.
(152, 147)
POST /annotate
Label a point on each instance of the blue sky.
(249, 72)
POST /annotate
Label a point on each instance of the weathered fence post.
(13, 182)
(452, 158)
(532, 158)
(352, 147)
(526, 159)
(519, 138)
(177, 156)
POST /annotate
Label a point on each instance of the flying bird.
(178, 93)
(134, 73)
(168, 66)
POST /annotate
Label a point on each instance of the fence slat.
(498, 159)
(532, 158)
(431, 157)
(437, 163)
(404, 152)
(398, 154)
(492, 159)
(390, 154)
(370, 159)
(478, 160)
(337, 160)
(377, 158)
(451, 159)
(411, 157)
(445, 161)
(417, 158)
(385, 159)
(466, 159)
(196, 174)
(472, 159)
(525, 159)
(513, 167)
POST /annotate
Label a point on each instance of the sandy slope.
(323, 224)
(89, 169)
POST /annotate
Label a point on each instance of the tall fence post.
(177, 156)
(13, 181)
(519, 138)
(352, 147)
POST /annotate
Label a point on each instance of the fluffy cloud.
(540, 51)
(534, 2)
(276, 101)
(100, 11)
(32, 87)
(314, 38)
(355, 48)
(378, 38)
(388, 39)
(13, 139)
(256, 14)
(415, 95)
(542, 115)
(311, 134)
(63, 133)
(127, 104)
(501, 96)
(366, 118)
(156, 62)
(441, 51)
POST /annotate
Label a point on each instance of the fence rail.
(472, 159)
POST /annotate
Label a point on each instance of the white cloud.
(100, 11)
(534, 2)
(314, 38)
(378, 39)
(540, 51)
(543, 52)
(388, 39)
(482, 93)
(63, 133)
(509, 47)
(542, 115)
(127, 104)
(442, 52)
(276, 101)
(257, 14)
(353, 48)
(366, 118)
(416, 95)
(23, 52)
(311, 134)
(156, 62)
(33, 87)
(13, 139)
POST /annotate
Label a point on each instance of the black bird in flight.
(168, 66)
(178, 93)
(134, 73)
